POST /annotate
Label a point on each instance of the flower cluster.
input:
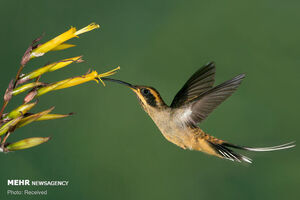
(32, 84)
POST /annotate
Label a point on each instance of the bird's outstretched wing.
(201, 81)
(194, 109)
(208, 101)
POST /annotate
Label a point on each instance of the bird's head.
(148, 97)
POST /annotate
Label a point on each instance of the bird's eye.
(145, 91)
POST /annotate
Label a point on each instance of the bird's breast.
(173, 130)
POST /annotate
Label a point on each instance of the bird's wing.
(201, 81)
(199, 108)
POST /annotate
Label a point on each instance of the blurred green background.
(111, 149)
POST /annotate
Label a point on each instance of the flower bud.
(21, 110)
(26, 143)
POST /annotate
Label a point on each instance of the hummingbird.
(178, 122)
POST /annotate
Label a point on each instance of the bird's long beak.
(132, 87)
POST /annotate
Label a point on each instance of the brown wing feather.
(199, 108)
(201, 81)
(208, 101)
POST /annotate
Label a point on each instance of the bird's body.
(169, 122)
(192, 104)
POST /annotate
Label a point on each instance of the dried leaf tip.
(9, 91)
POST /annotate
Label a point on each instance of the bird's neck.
(154, 111)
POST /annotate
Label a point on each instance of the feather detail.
(201, 81)
(223, 149)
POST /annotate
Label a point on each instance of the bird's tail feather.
(223, 149)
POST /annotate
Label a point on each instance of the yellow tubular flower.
(48, 46)
(70, 82)
(109, 73)
(50, 87)
(88, 28)
(50, 68)
(59, 40)
(78, 80)
(62, 47)
(65, 62)
(92, 76)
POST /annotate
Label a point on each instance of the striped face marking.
(148, 96)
